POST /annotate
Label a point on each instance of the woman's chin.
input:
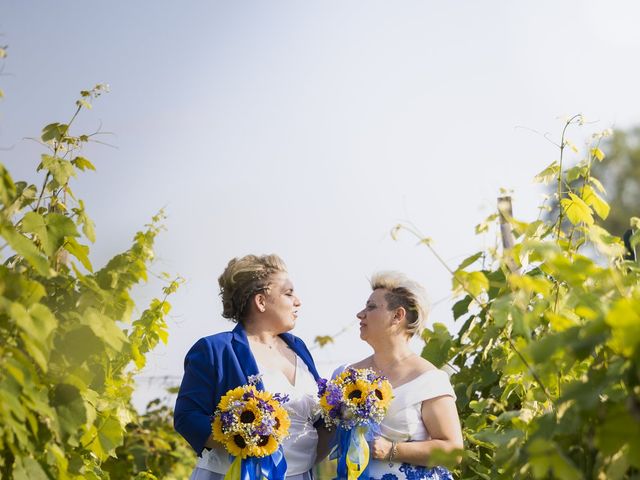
(284, 326)
(288, 327)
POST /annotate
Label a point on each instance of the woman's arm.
(440, 417)
(194, 405)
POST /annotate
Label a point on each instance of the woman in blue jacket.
(258, 295)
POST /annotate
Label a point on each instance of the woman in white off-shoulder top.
(422, 416)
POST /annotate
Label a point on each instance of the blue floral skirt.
(202, 474)
(407, 471)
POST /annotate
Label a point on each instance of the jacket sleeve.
(194, 405)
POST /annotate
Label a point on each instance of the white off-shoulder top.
(403, 421)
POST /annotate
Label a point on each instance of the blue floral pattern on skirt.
(416, 472)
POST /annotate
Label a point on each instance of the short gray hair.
(406, 293)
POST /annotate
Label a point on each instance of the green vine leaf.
(576, 210)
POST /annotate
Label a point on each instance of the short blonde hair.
(242, 279)
(406, 293)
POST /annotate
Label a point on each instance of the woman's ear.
(260, 302)
(399, 315)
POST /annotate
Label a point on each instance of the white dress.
(403, 423)
(299, 446)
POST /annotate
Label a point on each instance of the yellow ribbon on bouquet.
(234, 470)
(357, 457)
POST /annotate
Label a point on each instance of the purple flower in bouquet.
(322, 386)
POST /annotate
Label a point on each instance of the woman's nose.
(360, 314)
(297, 302)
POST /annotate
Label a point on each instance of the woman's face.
(282, 303)
(375, 318)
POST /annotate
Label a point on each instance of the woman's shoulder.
(419, 365)
(429, 380)
(215, 342)
(420, 371)
(217, 338)
(364, 363)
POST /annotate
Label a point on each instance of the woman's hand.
(380, 448)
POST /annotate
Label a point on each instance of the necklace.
(270, 346)
(388, 367)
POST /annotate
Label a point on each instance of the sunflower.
(341, 379)
(356, 393)
(249, 416)
(237, 445)
(216, 429)
(234, 395)
(263, 395)
(281, 416)
(267, 444)
(383, 393)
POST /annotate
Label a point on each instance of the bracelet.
(393, 451)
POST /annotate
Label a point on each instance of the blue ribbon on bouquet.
(272, 467)
(352, 452)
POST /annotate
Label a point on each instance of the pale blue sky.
(310, 129)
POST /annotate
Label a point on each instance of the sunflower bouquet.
(356, 397)
(251, 425)
(355, 401)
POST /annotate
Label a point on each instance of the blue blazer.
(212, 367)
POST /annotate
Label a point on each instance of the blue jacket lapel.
(301, 350)
(240, 345)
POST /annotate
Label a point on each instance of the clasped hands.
(380, 448)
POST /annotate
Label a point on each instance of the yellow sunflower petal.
(266, 446)
(263, 395)
(283, 422)
(324, 404)
(250, 415)
(216, 429)
(384, 393)
(356, 393)
(237, 446)
(229, 397)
